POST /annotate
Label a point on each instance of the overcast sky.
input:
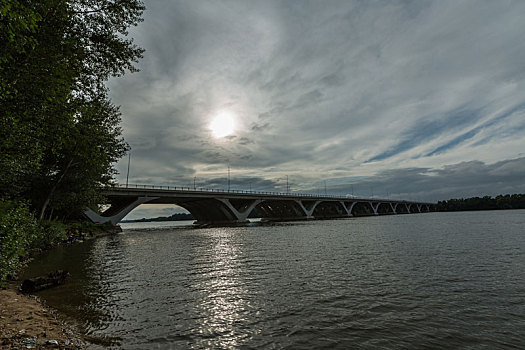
(402, 99)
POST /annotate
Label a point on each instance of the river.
(433, 280)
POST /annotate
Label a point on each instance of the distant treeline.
(514, 201)
(174, 217)
(183, 216)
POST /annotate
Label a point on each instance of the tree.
(515, 201)
(19, 154)
(60, 132)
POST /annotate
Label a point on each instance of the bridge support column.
(374, 207)
(308, 212)
(349, 209)
(241, 214)
(122, 212)
(393, 208)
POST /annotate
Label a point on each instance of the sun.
(222, 124)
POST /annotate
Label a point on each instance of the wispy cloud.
(324, 90)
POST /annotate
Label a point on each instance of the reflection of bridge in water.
(234, 206)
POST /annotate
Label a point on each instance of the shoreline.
(26, 322)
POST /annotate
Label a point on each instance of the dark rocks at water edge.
(36, 284)
(82, 234)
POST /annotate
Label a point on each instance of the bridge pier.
(120, 211)
(242, 211)
(348, 208)
(375, 207)
(308, 207)
(393, 207)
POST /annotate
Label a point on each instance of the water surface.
(434, 280)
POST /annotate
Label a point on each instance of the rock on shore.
(52, 279)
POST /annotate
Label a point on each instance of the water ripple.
(410, 281)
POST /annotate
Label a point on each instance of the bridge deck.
(174, 191)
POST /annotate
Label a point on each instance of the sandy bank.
(26, 324)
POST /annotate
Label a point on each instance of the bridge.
(234, 206)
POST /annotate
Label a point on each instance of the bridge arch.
(206, 211)
(384, 208)
(330, 209)
(362, 208)
(278, 210)
(117, 210)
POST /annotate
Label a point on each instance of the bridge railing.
(214, 190)
(270, 193)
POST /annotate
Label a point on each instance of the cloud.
(461, 180)
(324, 90)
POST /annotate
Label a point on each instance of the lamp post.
(129, 161)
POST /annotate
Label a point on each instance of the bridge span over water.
(234, 206)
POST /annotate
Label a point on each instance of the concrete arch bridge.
(234, 206)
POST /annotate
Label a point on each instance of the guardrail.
(212, 190)
(267, 193)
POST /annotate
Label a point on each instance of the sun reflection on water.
(225, 302)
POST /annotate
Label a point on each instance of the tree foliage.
(21, 233)
(59, 132)
(18, 229)
(514, 201)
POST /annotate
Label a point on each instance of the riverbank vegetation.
(514, 201)
(59, 131)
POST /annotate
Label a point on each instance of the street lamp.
(129, 161)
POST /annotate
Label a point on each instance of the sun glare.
(222, 125)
